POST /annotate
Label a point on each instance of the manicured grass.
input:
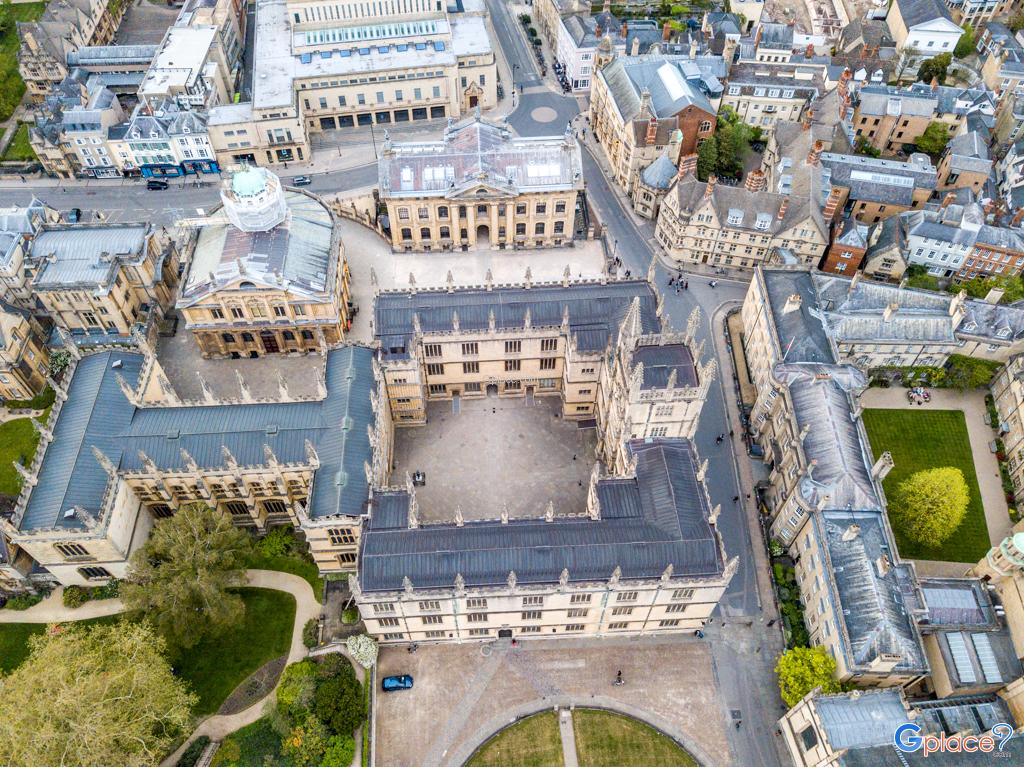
(13, 87)
(18, 440)
(604, 739)
(256, 745)
(533, 742)
(926, 439)
(215, 667)
(290, 563)
(20, 148)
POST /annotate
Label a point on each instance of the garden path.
(980, 434)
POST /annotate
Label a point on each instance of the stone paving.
(495, 452)
(464, 693)
(179, 355)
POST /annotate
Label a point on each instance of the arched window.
(705, 126)
(424, 233)
(407, 234)
(289, 335)
(445, 233)
(539, 228)
(227, 338)
(442, 211)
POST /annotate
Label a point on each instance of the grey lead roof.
(802, 335)
(661, 360)
(85, 255)
(658, 518)
(868, 719)
(659, 174)
(97, 413)
(674, 83)
(595, 312)
(914, 12)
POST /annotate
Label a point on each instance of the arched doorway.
(483, 236)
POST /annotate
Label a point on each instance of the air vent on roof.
(70, 513)
(272, 428)
(341, 478)
(173, 434)
(116, 364)
(346, 423)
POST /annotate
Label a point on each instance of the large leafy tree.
(933, 140)
(802, 669)
(965, 46)
(935, 68)
(92, 697)
(733, 137)
(182, 575)
(707, 158)
(930, 504)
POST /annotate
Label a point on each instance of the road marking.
(556, 665)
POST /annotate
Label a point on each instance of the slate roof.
(97, 413)
(659, 360)
(801, 334)
(872, 604)
(775, 36)
(876, 180)
(869, 719)
(969, 154)
(914, 12)
(85, 255)
(674, 82)
(595, 312)
(659, 174)
(956, 602)
(658, 518)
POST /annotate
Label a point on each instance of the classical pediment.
(481, 189)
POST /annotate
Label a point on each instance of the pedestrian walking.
(738, 723)
(671, 280)
(628, 273)
(713, 283)
(735, 498)
(730, 433)
(720, 439)
(686, 285)
(574, 456)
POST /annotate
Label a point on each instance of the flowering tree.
(363, 649)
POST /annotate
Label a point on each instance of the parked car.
(302, 181)
(156, 184)
(393, 683)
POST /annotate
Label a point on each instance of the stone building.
(856, 728)
(267, 272)
(64, 27)
(653, 184)
(824, 494)
(643, 107)
(481, 187)
(102, 279)
(921, 29)
(121, 449)
(18, 227)
(965, 163)
(884, 259)
(23, 357)
(871, 189)
(765, 94)
(327, 66)
(741, 226)
(1007, 389)
(542, 340)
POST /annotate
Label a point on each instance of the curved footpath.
(216, 727)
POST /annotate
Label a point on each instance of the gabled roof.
(674, 83)
(916, 12)
(658, 518)
(660, 173)
(97, 413)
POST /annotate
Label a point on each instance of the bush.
(969, 373)
(338, 702)
(310, 633)
(340, 751)
(23, 601)
(363, 649)
(228, 754)
(296, 689)
(531, 31)
(59, 361)
(279, 541)
(350, 615)
(41, 401)
(775, 548)
(195, 749)
(74, 596)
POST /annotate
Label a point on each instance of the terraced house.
(267, 272)
(480, 187)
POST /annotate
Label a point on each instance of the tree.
(930, 504)
(802, 669)
(732, 141)
(338, 702)
(340, 751)
(296, 689)
(965, 46)
(861, 146)
(933, 140)
(707, 158)
(306, 743)
(92, 697)
(181, 576)
(969, 373)
(6, 17)
(1016, 22)
(979, 287)
(935, 68)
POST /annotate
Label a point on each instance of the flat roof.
(180, 58)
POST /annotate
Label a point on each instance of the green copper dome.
(248, 182)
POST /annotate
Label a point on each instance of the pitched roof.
(97, 413)
(914, 12)
(658, 518)
(660, 173)
(674, 83)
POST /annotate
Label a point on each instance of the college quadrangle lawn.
(925, 439)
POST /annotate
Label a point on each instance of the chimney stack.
(757, 37)
(792, 303)
(756, 181)
(666, 32)
(809, 53)
(1017, 218)
(634, 48)
(687, 165)
(948, 200)
(710, 189)
(782, 208)
(845, 106)
(832, 204)
(808, 118)
(815, 154)
(851, 533)
(624, 31)
(935, 84)
(652, 132)
(598, 32)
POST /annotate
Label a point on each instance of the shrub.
(350, 615)
(228, 754)
(775, 548)
(75, 596)
(59, 361)
(195, 749)
(363, 650)
(41, 401)
(338, 702)
(310, 633)
(531, 32)
(295, 690)
(23, 601)
(276, 543)
(340, 751)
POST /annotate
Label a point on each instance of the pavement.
(52, 610)
(568, 739)
(217, 727)
(972, 404)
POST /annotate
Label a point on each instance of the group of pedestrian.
(679, 283)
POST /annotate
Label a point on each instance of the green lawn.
(20, 148)
(925, 439)
(533, 742)
(256, 745)
(213, 668)
(604, 739)
(289, 563)
(13, 87)
(18, 440)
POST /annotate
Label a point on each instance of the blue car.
(392, 683)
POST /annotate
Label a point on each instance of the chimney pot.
(782, 208)
(666, 32)
(710, 189)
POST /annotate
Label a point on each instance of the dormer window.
(735, 217)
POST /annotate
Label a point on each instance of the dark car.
(302, 181)
(393, 683)
(156, 184)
